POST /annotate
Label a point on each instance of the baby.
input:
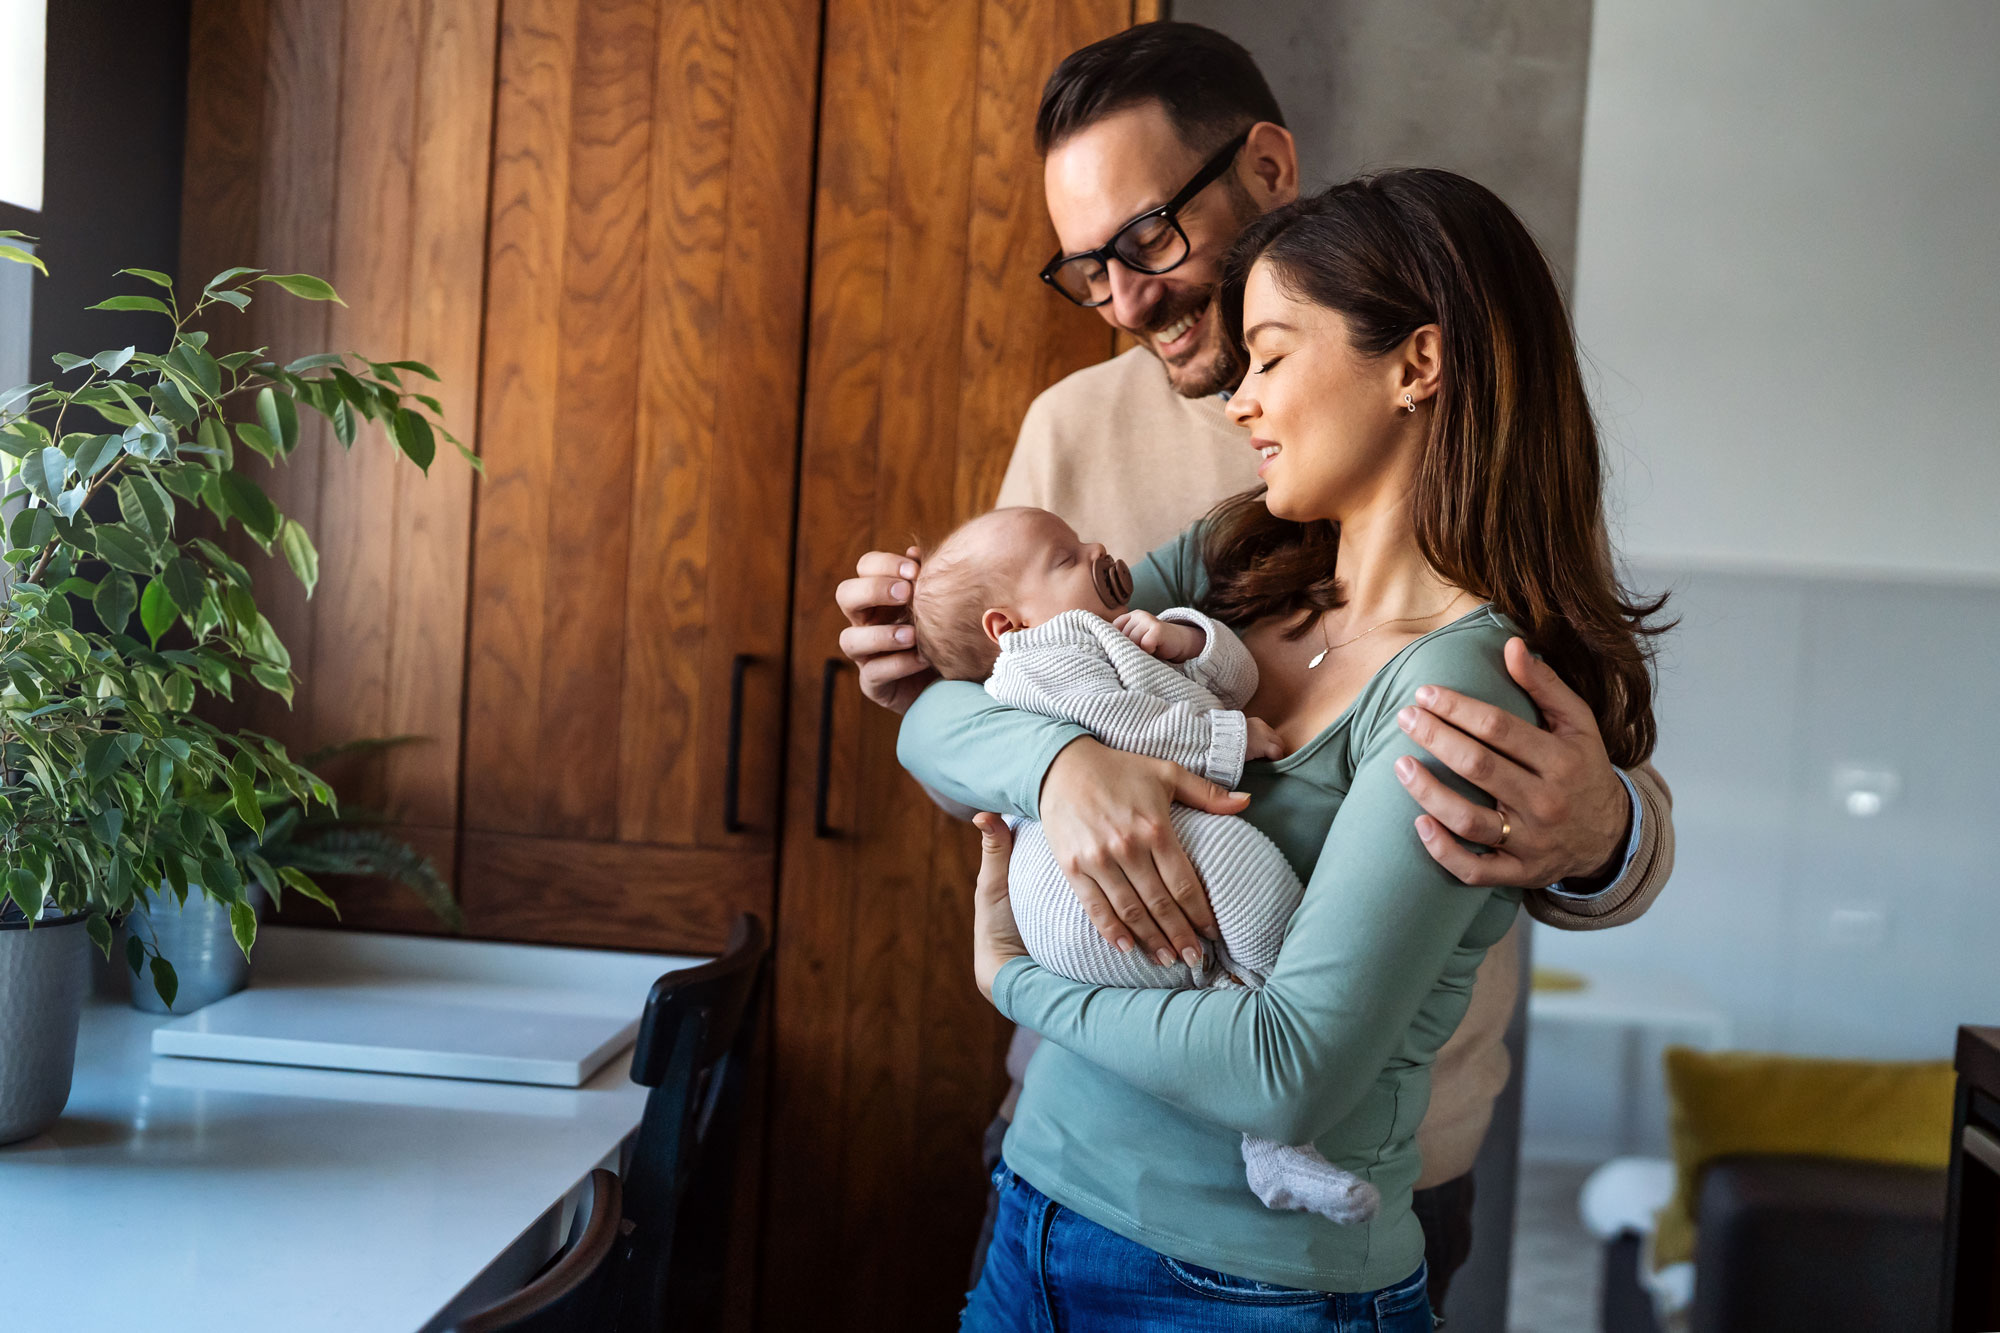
(1015, 599)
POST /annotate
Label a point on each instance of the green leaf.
(154, 276)
(133, 303)
(70, 502)
(413, 436)
(229, 275)
(173, 403)
(25, 888)
(95, 454)
(212, 437)
(247, 501)
(186, 584)
(343, 424)
(20, 256)
(300, 553)
(159, 773)
(279, 416)
(302, 883)
(243, 794)
(146, 508)
(100, 933)
(354, 391)
(116, 598)
(123, 548)
(243, 925)
(113, 362)
(156, 610)
(105, 823)
(237, 299)
(105, 755)
(315, 361)
(305, 285)
(135, 953)
(164, 980)
(44, 472)
(417, 366)
(478, 463)
(67, 361)
(258, 439)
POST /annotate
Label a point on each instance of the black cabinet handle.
(732, 773)
(828, 676)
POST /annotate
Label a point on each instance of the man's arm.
(1647, 868)
(1591, 849)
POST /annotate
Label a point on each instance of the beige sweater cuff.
(1652, 862)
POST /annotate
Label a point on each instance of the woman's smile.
(1268, 448)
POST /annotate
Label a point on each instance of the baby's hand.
(1169, 641)
(1263, 742)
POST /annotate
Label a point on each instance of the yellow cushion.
(1729, 1102)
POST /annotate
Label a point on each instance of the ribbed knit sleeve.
(1224, 666)
(1080, 669)
(1627, 897)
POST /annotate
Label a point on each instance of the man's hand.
(878, 638)
(995, 937)
(1567, 816)
(1168, 640)
(1104, 813)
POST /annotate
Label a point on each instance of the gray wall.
(1493, 89)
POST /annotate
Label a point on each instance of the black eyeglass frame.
(1210, 171)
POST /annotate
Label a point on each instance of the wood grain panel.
(451, 173)
(557, 891)
(357, 529)
(518, 413)
(584, 609)
(929, 337)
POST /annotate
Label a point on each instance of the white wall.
(1788, 281)
(1788, 277)
(23, 39)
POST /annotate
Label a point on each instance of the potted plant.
(99, 737)
(197, 937)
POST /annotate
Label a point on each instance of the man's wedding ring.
(1505, 830)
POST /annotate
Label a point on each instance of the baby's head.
(1007, 570)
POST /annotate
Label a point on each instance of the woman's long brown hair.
(1508, 501)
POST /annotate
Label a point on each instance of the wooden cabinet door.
(351, 140)
(929, 336)
(646, 274)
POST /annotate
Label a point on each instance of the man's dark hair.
(1209, 85)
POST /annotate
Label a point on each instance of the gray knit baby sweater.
(1080, 668)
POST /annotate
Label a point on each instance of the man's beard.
(1211, 366)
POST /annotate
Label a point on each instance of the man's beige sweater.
(1130, 463)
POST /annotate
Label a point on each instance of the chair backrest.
(693, 1052)
(570, 1296)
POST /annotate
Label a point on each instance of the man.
(1159, 145)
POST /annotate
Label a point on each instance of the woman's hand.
(1104, 813)
(1567, 814)
(995, 938)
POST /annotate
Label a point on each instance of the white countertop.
(179, 1194)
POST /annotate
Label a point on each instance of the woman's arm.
(1378, 924)
(1104, 811)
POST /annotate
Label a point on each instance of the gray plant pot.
(44, 975)
(197, 940)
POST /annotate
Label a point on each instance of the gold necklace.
(1320, 656)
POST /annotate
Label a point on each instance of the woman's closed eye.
(1268, 364)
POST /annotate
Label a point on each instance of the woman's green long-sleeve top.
(1133, 1107)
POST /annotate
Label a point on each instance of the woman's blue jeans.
(1051, 1270)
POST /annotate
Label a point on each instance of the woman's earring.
(1409, 403)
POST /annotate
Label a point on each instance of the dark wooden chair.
(568, 1296)
(693, 1052)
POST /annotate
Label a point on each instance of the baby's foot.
(1299, 1178)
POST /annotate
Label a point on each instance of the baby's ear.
(997, 622)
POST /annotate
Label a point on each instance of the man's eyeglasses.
(1153, 242)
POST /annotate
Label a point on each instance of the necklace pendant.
(1318, 657)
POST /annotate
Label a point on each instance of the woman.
(1414, 390)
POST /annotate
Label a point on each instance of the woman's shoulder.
(1468, 655)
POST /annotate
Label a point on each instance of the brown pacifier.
(1113, 579)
